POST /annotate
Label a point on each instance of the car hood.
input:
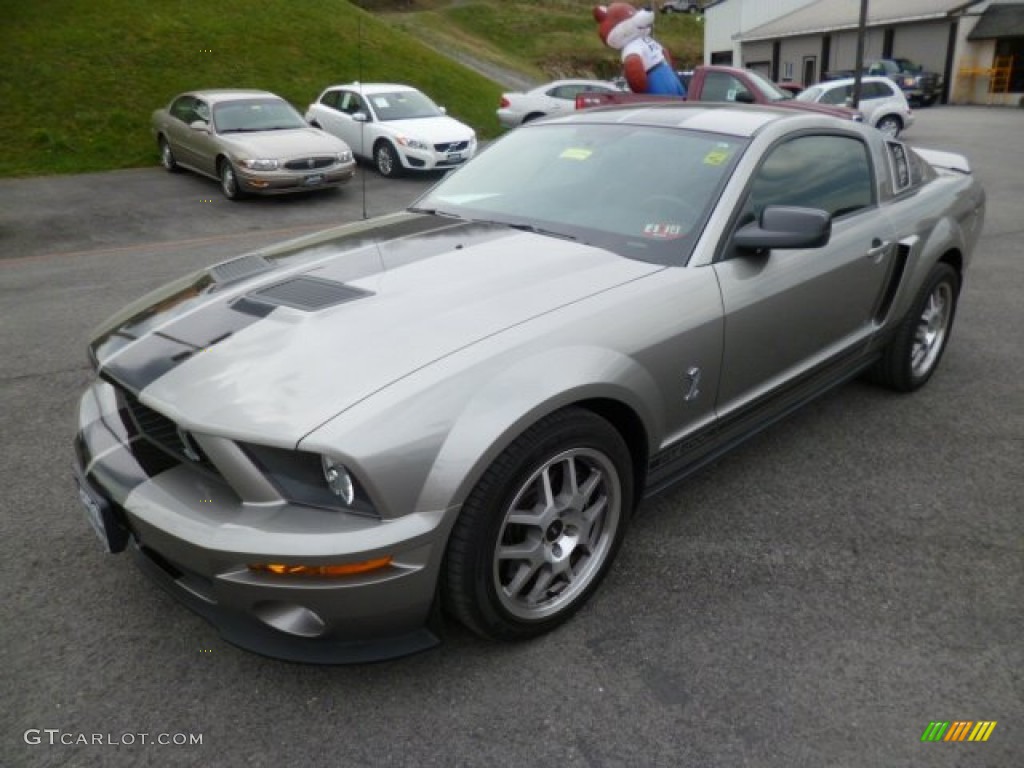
(297, 142)
(433, 130)
(269, 346)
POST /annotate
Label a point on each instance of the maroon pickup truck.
(731, 84)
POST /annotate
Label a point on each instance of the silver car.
(325, 446)
(253, 142)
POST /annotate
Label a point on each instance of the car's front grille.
(310, 163)
(451, 146)
(164, 433)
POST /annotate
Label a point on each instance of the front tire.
(914, 353)
(229, 180)
(541, 528)
(385, 158)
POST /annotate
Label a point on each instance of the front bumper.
(283, 181)
(433, 160)
(194, 535)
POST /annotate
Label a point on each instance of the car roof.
(216, 95)
(740, 120)
(844, 81)
(372, 88)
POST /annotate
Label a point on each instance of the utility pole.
(858, 67)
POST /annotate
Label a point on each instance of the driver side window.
(830, 173)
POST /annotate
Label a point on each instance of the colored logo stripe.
(958, 730)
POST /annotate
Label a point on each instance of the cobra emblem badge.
(691, 381)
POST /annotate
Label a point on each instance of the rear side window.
(830, 173)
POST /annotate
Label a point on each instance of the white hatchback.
(881, 101)
(396, 126)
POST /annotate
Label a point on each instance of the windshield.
(248, 115)
(770, 90)
(810, 94)
(403, 105)
(643, 192)
(906, 65)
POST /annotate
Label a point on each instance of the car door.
(344, 125)
(795, 313)
(203, 144)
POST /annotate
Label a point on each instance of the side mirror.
(360, 117)
(784, 226)
(200, 125)
(744, 97)
(444, 111)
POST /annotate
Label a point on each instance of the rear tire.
(541, 528)
(914, 353)
(890, 125)
(167, 159)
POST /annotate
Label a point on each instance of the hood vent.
(240, 268)
(307, 293)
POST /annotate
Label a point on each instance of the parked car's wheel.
(386, 159)
(914, 353)
(890, 125)
(541, 528)
(167, 156)
(228, 180)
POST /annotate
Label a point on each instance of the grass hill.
(80, 79)
(546, 39)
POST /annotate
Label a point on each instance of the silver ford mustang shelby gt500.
(324, 446)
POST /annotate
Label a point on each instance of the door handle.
(878, 250)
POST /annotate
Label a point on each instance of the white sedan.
(881, 101)
(396, 126)
(552, 99)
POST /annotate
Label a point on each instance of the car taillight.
(504, 102)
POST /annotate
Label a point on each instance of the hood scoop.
(239, 269)
(308, 294)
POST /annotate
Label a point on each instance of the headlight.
(311, 479)
(413, 143)
(260, 164)
(338, 480)
(344, 157)
(908, 82)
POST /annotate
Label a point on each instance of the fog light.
(338, 480)
(344, 569)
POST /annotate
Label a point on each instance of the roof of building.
(834, 15)
(999, 21)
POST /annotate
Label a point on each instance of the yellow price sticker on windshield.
(716, 157)
(575, 154)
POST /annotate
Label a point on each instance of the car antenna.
(362, 124)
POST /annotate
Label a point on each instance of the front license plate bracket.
(100, 515)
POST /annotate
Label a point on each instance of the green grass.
(556, 38)
(80, 78)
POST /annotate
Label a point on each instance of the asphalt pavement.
(816, 598)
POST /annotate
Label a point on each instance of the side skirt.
(684, 457)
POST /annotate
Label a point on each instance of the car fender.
(513, 400)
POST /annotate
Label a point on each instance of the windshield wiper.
(537, 230)
(433, 212)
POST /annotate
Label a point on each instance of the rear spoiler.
(948, 160)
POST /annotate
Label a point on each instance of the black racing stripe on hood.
(151, 356)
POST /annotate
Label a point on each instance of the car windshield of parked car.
(770, 90)
(248, 115)
(640, 191)
(810, 94)
(403, 105)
